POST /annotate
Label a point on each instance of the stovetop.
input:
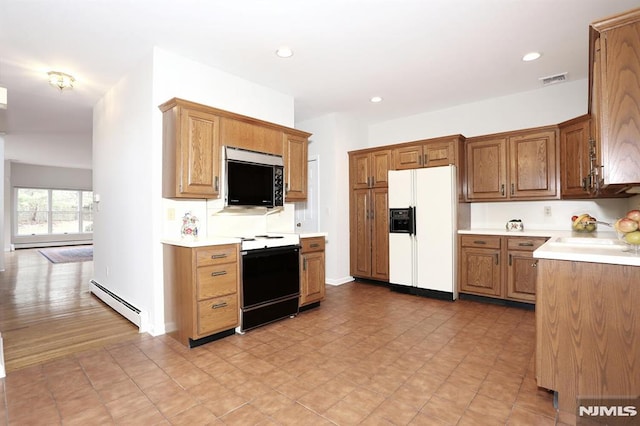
(268, 241)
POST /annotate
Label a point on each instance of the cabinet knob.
(534, 264)
(298, 224)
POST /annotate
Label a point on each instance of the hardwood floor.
(47, 311)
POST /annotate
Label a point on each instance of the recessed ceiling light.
(531, 56)
(376, 99)
(284, 52)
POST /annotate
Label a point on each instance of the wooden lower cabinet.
(587, 329)
(499, 267)
(312, 270)
(201, 290)
(480, 271)
(369, 223)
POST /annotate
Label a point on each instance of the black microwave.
(253, 179)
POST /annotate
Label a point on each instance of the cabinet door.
(532, 165)
(380, 165)
(199, 154)
(521, 276)
(380, 234)
(252, 136)
(360, 233)
(620, 103)
(480, 271)
(574, 159)
(407, 157)
(295, 168)
(360, 170)
(487, 169)
(312, 288)
(438, 154)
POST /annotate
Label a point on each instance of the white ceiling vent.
(553, 79)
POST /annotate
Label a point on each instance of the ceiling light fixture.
(531, 56)
(375, 99)
(3, 98)
(284, 52)
(61, 80)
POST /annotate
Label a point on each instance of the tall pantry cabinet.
(369, 220)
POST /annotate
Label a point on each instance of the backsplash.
(532, 213)
(214, 222)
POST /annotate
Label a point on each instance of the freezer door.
(436, 210)
(401, 188)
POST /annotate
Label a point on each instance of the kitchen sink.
(591, 241)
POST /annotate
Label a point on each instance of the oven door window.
(269, 274)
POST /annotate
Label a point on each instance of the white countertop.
(201, 242)
(216, 241)
(572, 246)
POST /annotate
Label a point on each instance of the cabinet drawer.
(525, 244)
(216, 280)
(481, 241)
(217, 314)
(216, 255)
(311, 244)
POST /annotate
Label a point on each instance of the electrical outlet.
(547, 211)
(171, 213)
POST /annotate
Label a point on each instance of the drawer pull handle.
(529, 244)
(497, 259)
(218, 273)
(218, 256)
(479, 242)
(219, 305)
(314, 245)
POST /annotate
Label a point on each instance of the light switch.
(171, 213)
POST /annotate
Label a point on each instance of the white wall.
(127, 157)
(333, 137)
(545, 106)
(123, 176)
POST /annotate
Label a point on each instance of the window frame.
(50, 212)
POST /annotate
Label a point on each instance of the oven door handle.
(269, 251)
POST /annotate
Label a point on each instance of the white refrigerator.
(422, 247)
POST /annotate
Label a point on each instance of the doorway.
(307, 212)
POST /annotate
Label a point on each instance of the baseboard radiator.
(120, 305)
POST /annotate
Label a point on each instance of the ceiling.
(419, 55)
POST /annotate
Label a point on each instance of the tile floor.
(365, 356)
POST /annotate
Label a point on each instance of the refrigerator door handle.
(412, 212)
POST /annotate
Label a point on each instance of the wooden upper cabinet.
(193, 136)
(295, 167)
(615, 95)
(533, 165)
(511, 166)
(574, 158)
(427, 153)
(369, 169)
(241, 134)
(487, 169)
(191, 151)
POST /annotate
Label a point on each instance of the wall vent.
(553, 79)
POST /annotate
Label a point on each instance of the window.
(53, 211)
